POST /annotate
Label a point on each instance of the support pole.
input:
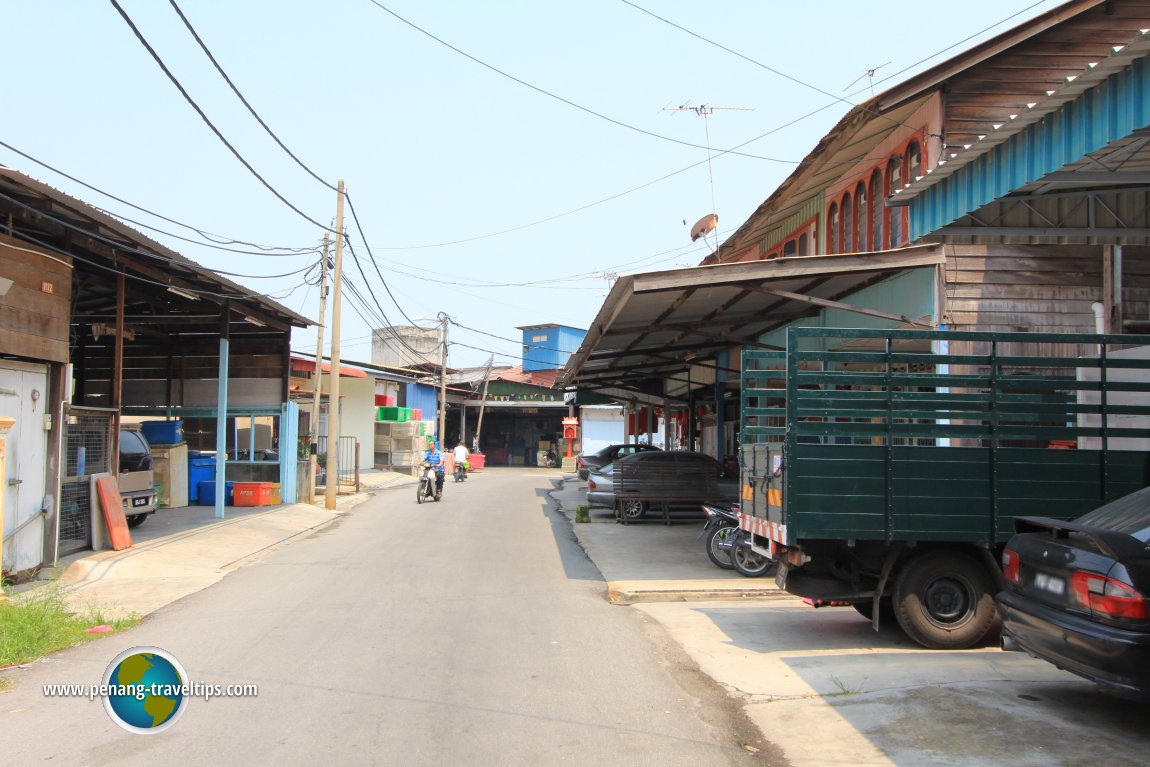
(118, 368)
(483, 402)
(317, 390)
(442, 383)
(6, 423)
(222, 423)
(331, 470)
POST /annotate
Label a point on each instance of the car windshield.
(131, 444)
(1129, 514)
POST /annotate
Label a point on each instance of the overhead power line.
(240, 96)
(187, 97)
(216, 241)
(568, 102)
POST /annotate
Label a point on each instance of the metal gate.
(347, 462)
(87, 446)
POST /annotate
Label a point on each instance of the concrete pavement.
(825, 688)
(651, 561)
(819, 684)
(177, 552)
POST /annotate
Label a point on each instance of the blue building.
(547, 347)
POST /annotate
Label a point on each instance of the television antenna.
(869, 74)
(709, 222)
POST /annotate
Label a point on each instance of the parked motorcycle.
(426, 489)
(746, 560)
(550, 459)
(460, 473)
(720, 529)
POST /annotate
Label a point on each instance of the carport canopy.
(657, 325)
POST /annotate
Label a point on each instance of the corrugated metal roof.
(662, 323)
(88, 220)
(980, 89)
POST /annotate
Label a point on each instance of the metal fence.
(88, 445)
(347, 462)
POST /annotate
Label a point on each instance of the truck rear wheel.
(944, 600)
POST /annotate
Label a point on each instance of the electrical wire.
(770, 69)
(388, 324)
(240, 96)
(568, 102)
(136, 251)
(414, 355)
(208, 122)
(288, 251)
(111, 270)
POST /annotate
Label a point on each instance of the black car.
(584, 464)
(1076, 593)
(684, 480)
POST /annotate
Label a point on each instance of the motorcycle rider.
(460, 453)
(435, 457)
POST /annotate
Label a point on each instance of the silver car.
(585, 464)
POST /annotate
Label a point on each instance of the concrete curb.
(625, 592)
(627, 581)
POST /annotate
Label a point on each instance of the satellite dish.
(704, 225)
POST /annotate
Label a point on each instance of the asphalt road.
(473, 632)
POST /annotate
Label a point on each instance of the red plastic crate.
(252, 493)
(416, 414)
(385, 400)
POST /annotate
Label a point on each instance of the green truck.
(883, 469)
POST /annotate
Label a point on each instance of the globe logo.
(146, 687)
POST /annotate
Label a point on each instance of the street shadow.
(576, 564)
(166, 522)
(919, 706)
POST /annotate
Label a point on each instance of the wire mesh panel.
(88, 444)
(347, 461)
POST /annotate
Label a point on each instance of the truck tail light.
(1010, 566)
(1107, 597)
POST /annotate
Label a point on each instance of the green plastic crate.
(389, 413)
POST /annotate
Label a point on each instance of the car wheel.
(945, 600)
(748, 562)
(135, 520)
(719, 546)
(632, 510)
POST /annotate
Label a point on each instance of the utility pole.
(483, 401)
(331, 469)
(313, 422)
(443, 318)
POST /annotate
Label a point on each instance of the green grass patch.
(582, 513)
(844, 688)
(39, 622)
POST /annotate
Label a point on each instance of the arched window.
(833, 228)
(861, 217)
(913, 162)
(789, 249)
(803, 244)
(894, 219)
(848, 225)
(876, 209)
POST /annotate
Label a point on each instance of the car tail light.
(1010, 566)
(1107, 597)
(580, 464)
(590, 484)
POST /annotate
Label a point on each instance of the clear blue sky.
(439, 152)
